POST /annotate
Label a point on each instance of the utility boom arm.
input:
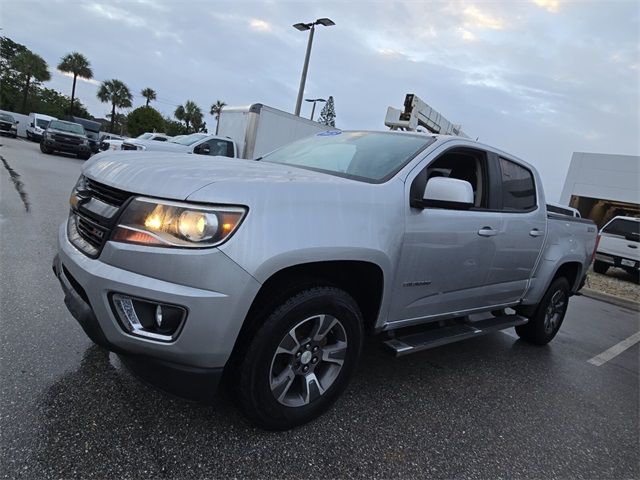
(417, 114)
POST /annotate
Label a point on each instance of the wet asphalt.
(493, 407)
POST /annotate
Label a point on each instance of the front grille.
(66, 139)
(128, 146)
(107, 194)
(5, 127)
(89, 228)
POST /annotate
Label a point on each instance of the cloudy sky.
(540, 79)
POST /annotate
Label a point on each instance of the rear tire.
(44, 149)
(600, 267)
(546, 320)
(301, 358)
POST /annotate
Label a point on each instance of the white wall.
(23, 121)
(603, 176)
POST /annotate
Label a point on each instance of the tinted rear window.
(622, 227)
(518, 187)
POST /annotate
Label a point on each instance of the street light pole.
(311, 27)
(314, 100)
(303, 79)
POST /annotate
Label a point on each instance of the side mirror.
(17, 122)
(32, 125)
(202, 149)
(442, 192)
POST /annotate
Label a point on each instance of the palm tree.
(78, 65)
(31, 66)
(190, 114)
(216, 108)
(149, 94)
(117, 93)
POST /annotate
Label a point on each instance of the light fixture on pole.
(326, 22)
(314, 100)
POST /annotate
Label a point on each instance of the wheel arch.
(363, 280)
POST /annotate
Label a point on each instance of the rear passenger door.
(524, 231)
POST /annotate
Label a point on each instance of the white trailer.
(258, 129)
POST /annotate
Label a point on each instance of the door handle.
(487, 232)
(536, 233)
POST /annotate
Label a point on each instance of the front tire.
(545, 322)
(600, 267)
(301, 359)
(44, 149)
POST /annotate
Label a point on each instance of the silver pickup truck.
(273, 271)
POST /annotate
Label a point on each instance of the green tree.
(32, 68)
(173, 128)
(190, 114)
(118, 94)
(78, 65)
(149, 94)
(216, 108)
(10, 84)
(51, 102)
(144, 119)
(328, 113)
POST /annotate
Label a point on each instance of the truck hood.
(178, 176)
(156, 146)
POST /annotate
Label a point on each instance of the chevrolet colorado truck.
(273, 271)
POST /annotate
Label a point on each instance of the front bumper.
(213, 289)
(66, 147)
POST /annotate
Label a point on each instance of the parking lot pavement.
(485, 408)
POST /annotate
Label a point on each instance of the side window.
(466, 164)
(518, 187)
(160, 139)
(221, 148)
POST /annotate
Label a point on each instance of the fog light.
(159, 316)
(148, 319)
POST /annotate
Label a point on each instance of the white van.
(37, 124)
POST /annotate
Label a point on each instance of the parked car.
(619, 246)
(37, 125)
(92, 128)
(116, 143)
(274, 270)
(199, 143)
(68, 137)
(8, 125)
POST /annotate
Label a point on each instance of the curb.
(607, 297)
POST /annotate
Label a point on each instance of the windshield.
(189, 139)
(42, 123)
(368, 156)
(67, 127)
(6, 117)
(622, 227)
(145, 136)
(92, 135)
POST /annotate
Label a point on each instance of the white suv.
(619, 245)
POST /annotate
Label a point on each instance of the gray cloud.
(540, 81)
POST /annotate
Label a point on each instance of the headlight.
(173, 224)
(85, 141)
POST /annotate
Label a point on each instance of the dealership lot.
(491, 407)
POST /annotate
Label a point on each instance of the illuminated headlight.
(173, 224)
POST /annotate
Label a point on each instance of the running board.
(435, 337)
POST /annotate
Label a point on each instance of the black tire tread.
(533, 331)
(271, 418)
